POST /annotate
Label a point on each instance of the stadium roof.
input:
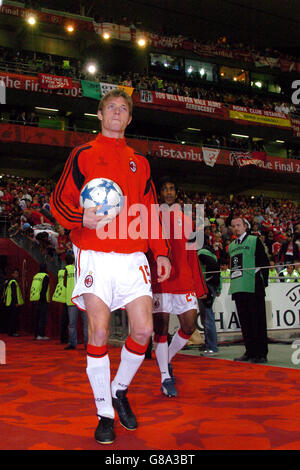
(267, 23)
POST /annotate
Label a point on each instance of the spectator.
(22, 119)
(247, 287)
(225, 271)
(210, 268)
(40, 294)
(33, 120)
(289, 251)
(289, 274)
(13, 300)
(73, 311)
(273, 275)
(64, 244)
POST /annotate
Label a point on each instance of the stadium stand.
(220, 119)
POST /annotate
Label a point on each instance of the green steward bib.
(242, 257)
(8, 294)
(36, 287)
(70, 283)
(60, 290)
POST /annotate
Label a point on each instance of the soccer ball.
(104, 192)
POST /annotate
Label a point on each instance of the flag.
(97, 90)
(210, 155)
(248, 158)
(106, 87)
(91, 89)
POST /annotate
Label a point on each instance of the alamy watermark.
(160, 221)
(296, 93)
(2, 352)
(295, 358)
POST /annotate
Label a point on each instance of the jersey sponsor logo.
(88, 282)
(132, 165)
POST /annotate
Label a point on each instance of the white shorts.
(174, 304)
(116, 278)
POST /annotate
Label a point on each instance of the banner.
(259, 116)
(249, 158)
(223, 157)
(287, 65)
(181, 104)
(158, 41)
(32, 84)
(282, 310)
(263, 61)
(211, 50)
(175, 151)
(115, 31)
(46, 16)
(210, 156)
(296, 127)
(53, 82)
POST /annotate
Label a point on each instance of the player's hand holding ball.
(90, 219)
(102, 200)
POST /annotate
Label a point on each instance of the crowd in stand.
(25, 205)
(25, 209)
(29, 62)
(275, 221)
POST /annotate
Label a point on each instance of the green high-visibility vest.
(225, 274)
(36, 287)
(70, 268)
(60, 289)
(294, 276)
(242, 256)
(273, 274)
(8, 294)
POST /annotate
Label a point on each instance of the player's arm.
(64, 200)
(159, 245)
(199, 281)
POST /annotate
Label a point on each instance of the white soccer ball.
(104, 192)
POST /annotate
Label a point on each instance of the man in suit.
(247, 286)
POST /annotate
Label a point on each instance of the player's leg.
(187, 321)
(161, 348)
(98, 365)
(160, 343)
(139, 312)
(185, 306)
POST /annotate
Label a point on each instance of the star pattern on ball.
(86, 193)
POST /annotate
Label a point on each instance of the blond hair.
(116, 93)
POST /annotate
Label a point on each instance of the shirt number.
(145, 272)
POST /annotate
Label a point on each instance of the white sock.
(161, 348)
(132, 356)
(179, 340)
(98, 371)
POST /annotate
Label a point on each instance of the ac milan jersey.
(186, 275)
(110, 158)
